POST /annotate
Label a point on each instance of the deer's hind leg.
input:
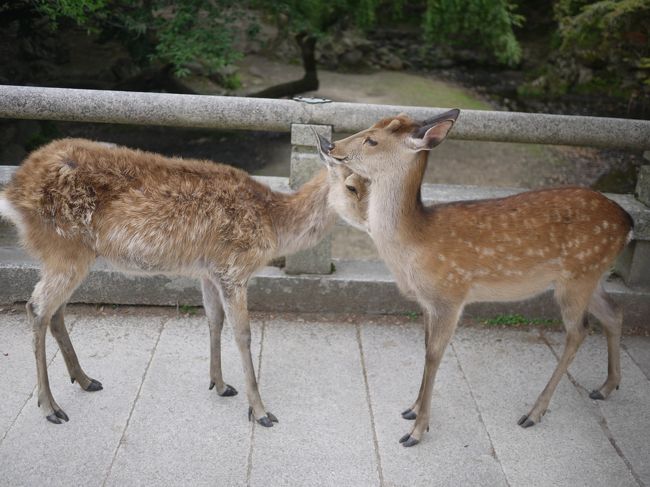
(573, 298)
(59, 278)
(214, 313)
(60, 333)
(611, 317)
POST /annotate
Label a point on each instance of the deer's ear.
(433, 132)
(394, 125)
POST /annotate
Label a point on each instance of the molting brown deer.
(445, 256)
(75, 200)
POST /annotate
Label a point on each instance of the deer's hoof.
(409, 414)
(272, 417)
(266, 421)
(94, 385)
(229, 391)
(57, 417)
(407, 440)
(525, 421)
(597, 395)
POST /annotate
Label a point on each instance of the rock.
(351, 58)
(585, 75)
(392, 62)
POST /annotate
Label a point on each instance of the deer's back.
(522, 243)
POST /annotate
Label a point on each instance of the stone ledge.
(355, 287)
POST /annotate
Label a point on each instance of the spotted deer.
(445, 256)
(75, 200)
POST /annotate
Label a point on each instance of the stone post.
(305, 163)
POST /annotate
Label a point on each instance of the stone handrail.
(220, 112)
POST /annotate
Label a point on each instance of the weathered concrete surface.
(277, 115)
(18, 366)
(80, 452)
(195, 436)
(312, 380)
(457, 451)
(643, 184)
(639, 349)
(631, 438)
(506, 372)
(337, 385)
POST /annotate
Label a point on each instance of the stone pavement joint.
(480, 416)
(602, 421)
(137, 397)
(380, 473)
(249, 459)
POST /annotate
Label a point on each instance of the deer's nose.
(325, 145)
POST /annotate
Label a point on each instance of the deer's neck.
(395, 207)
(303, 218)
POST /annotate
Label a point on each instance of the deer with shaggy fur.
(445, 256)
(74, 200)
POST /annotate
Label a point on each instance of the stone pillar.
(305, 163)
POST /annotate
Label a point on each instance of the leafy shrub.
(483, 24)
(611, 36)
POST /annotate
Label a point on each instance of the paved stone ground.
(337, 386)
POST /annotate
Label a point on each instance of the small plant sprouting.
(517, 320)
(412, 315)
(186, 309)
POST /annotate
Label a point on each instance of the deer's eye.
(351, 189)
(370, 142)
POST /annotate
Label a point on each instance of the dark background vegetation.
(561, 56)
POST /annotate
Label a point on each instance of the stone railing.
(299, 117)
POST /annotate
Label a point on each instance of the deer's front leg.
(214, 313)
(234, 299)
(441, 324)
(412, 412)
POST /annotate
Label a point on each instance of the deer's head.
(348, 191)
(388, 145)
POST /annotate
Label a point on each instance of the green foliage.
(187, 310)
(486, 24)
(175, 32)
(412, 315)
(517, 320)
(610, 36)
(78, 10)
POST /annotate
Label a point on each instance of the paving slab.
(114, 350)
(313, 382)
(639, 349)
(506, 371)
(17, 366)
(182, 433)
(457, 450)
(625, 413)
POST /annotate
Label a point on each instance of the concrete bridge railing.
(219, 112)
